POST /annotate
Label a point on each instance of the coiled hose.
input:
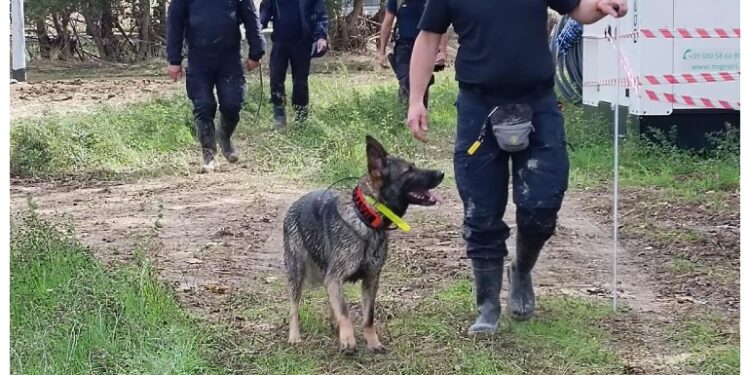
(567, 50)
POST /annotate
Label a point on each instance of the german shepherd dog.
(333, 238)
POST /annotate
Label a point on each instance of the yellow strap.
(395, 219)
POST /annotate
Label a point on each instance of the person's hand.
(174, 72)
(417, 121)
(614, 8)
(251, 64)
(383, 59)
(322, 44)
(440, 59)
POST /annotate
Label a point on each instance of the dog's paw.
(348, 345)
(378, 348)
(348, 349)
(295, 339)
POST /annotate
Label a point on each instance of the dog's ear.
(376, 158)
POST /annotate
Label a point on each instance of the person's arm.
(253, 34)
(391, 9)
(321, 21)
(422, 64)
(589, 11)
(434, 24)
(176, 23)
(385, 36)
(265, 13)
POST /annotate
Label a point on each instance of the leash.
(260, 96)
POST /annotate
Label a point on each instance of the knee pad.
(537, 222)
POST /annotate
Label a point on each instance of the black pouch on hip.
(512, 124)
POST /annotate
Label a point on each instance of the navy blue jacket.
(313, 12)
(212, 28)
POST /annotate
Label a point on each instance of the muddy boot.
(488, 279)
(207, 137)
(521, 297)
(279, 116)
(301, 113)
(226, 129)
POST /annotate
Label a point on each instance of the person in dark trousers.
(507, 113)
(212, 31)
(300, 30)
(407, 14)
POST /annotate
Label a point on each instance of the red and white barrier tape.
(679, 33)
(630, 78)
(671, 79)
(633, 81)
(719, 33)
(691, 101)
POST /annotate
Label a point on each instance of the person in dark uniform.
(407, 14)
(300, 30)
(213, 36)
(507, 113)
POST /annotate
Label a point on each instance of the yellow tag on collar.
(383, 209)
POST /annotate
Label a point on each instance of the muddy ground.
(215, 237)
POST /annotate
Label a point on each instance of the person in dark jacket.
(407, 14)
(212, 31)
(300, 30)
(508, 124)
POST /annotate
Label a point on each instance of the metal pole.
(615, 201)
(18, 40)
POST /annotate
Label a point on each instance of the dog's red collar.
(365, 212)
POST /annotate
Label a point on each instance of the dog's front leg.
(336, 298)
(369, 291)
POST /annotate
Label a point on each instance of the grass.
(430, 337)
(71, 316)
(713, 350)
(144, 139)
(156, 137)
(654, 164)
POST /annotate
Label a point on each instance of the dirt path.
(214, 237)
(35, 99)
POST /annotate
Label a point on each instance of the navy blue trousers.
(205, 74)
(539, 174)
(402, 50)
(295, 53)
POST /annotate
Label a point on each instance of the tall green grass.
(156, 137)
(71, 316)
(142, 139)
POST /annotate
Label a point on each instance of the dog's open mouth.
(423, 197)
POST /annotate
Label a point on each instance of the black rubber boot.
(207, 136)
(279, 116)
(301, 112)
(226, 129)
(521, 297)
(488, 280)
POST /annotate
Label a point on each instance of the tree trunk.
(143, 31)
(160, 14)
(92, 16)
(351, 20)
(107, 34)
(65, 39)
(45, 45)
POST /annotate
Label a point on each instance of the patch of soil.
(217, 237)
(690, 251)
(35, 99)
